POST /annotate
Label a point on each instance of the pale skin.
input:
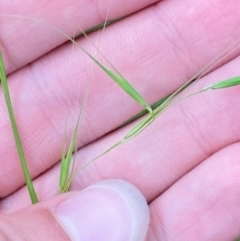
(186, 164)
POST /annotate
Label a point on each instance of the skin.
(186, 164)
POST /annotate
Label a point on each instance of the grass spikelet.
(116, 77)
(120, 80)
(66, 160)
(225, 83)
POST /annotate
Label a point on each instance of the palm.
(185, 163)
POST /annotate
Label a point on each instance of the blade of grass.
(26, 173)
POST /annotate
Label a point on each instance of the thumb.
(109, 210)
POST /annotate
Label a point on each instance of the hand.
(186, 163)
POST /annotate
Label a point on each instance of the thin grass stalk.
(18, 142)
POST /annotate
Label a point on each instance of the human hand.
(185, 163)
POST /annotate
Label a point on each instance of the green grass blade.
(26, 173)
(225, 83)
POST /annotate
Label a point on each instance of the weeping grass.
(149, 114)
(154, 111)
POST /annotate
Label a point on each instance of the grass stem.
(18, 142)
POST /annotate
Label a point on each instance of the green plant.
(26, 173)
(154, 111)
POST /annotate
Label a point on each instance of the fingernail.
(109, 210)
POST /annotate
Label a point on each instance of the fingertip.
(108, 210)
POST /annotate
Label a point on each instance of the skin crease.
(186, 163)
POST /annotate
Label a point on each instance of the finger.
(109, 210)
(170, 147)
(26, 39)
(52, 97)
(203, 205)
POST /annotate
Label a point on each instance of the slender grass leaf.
(26, 173)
